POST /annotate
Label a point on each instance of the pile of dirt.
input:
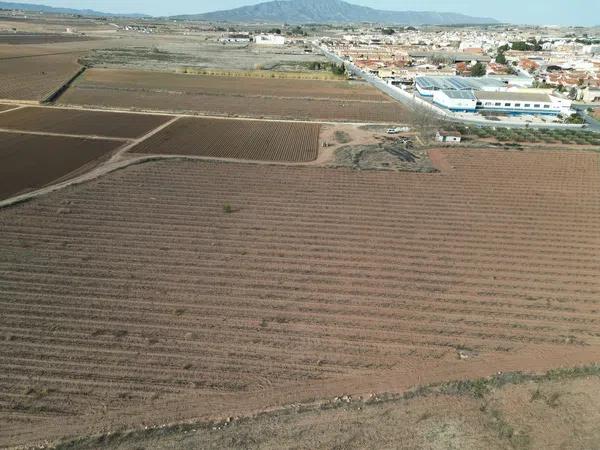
(383, 157)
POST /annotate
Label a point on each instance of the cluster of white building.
(461, 94)
(259, 39)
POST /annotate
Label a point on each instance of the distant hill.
(331, 11)
(52, 10)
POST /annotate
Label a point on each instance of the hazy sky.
(544, 12)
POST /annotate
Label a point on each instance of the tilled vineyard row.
(70, 121)
(383, 110)
(146, 290)
(34, 78)
(30, 161)
(240, 139)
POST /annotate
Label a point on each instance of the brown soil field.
(35, 77)
(39, 38)
(297, 99)
(138, 299)
(239, 139)
(228, 85)
(554, 411)
(6, 107)
(71, 121)
(28, 162)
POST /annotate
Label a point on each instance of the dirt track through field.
(145, 296)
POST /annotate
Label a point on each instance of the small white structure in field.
(448, 137)
(269, 39)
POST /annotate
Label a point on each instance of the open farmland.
(148, 302)
(240, 139)
(251, 97)
(39, 38)
(72, 121)
(6, 107)
(31, 161)
(35, 77)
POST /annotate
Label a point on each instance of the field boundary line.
(37, 104)
(121, 151)
(13, 109)
(117, 163)
(67, 135)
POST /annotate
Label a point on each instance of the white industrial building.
(456, 101)
(515, 103)
(269, 39)
(506, 102)
(428, 85)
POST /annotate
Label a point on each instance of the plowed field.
(39, 38)
(71, 121)
(28, 162)
(147, 302)
(227, 85)
(298, 99)
(35, 77)
(240, 139)
(6, 107)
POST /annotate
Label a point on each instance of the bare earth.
(138, 300)
(71, 121)
(239, 139)
(234, 96)
(556, 413)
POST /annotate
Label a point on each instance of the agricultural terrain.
(28, 162)
(176, 290)
(233, 96)
(39, 38)
(6, 107)
(35, 77)
(239, 139)
(554, 410)
(80, 122)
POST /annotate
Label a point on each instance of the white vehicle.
(398, 130)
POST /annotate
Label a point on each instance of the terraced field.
(148, 302)
(239, 139)
(71, 121)
(232, 96)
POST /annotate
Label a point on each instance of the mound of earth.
(383, 157)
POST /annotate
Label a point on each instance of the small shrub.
(227, 208)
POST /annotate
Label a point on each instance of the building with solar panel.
(485, 94)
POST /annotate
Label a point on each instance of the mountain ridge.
(57, 10)
(331, 11)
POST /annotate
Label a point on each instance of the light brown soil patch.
(239, 139)
(72, 121)
(561, 414)
(146, 302)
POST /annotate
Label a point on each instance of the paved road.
(592, 124)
